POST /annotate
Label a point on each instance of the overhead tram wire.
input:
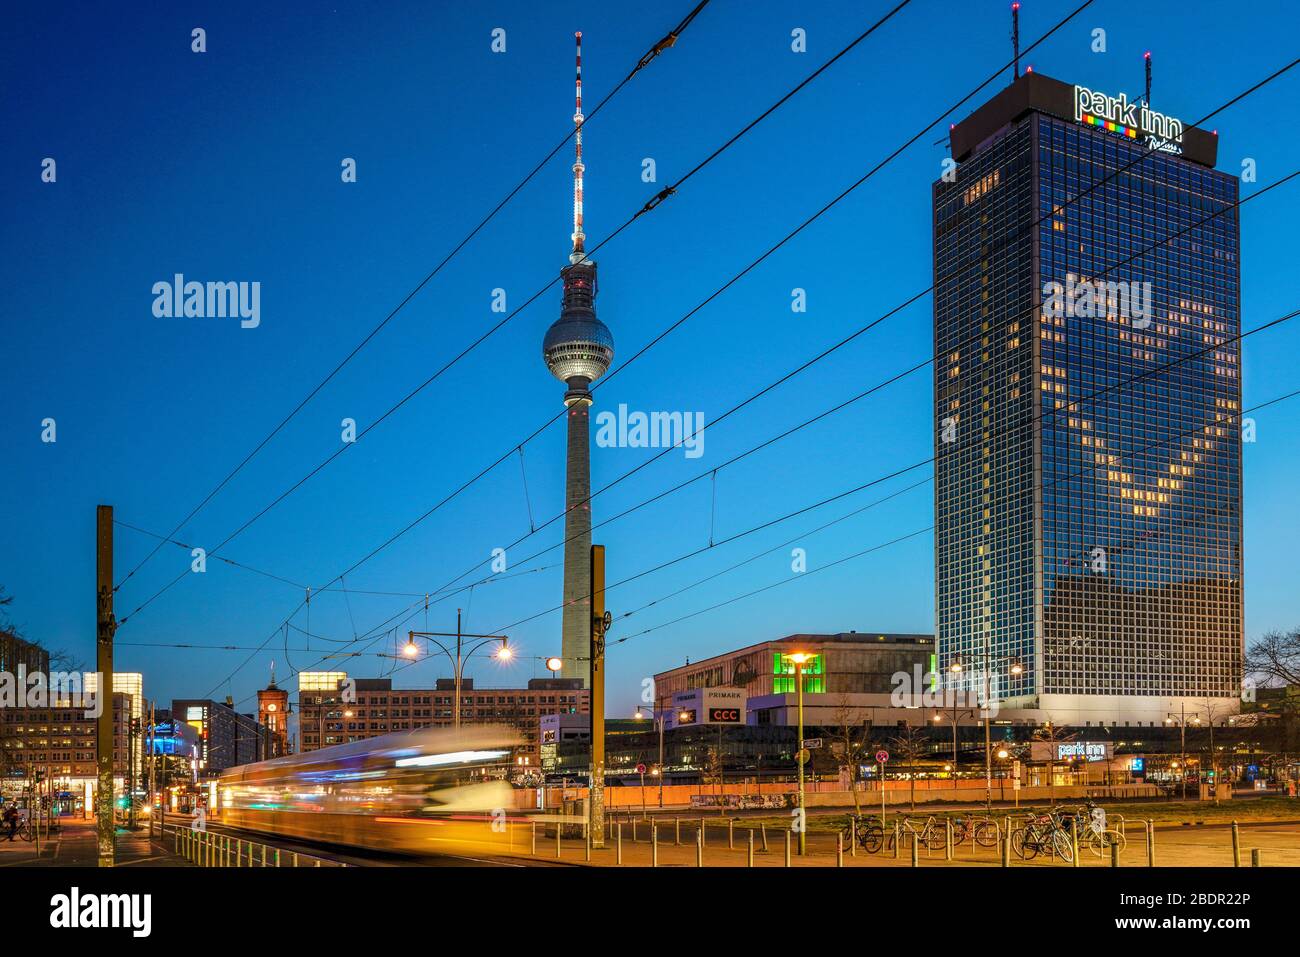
(669, 40)
(957, 105)
(735, 278)
(1277, 400)
(1274, 401)
(649, 206)
(324, 591)
(1094, 186)
(654, 202)
(1075, 402)
(934, 459)
(845, 403)
(1168, 238)
(906, 303)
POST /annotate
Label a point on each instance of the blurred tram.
(425, 791)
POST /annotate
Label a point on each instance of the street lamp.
(1181, 720)
(659, 718)
(504, 653)
(1015, 668)
(800, 658)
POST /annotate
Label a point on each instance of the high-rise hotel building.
(1088, 501)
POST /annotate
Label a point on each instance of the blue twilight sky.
(226, 166)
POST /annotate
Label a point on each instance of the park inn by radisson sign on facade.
(1130, 119)
(1118, 116)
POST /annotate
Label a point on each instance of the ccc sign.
(724, 715)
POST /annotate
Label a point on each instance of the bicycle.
(873, 838)
(983, 830)
(1044, 832)
(1094, 832)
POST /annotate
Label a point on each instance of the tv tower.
(578, 349)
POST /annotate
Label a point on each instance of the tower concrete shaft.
(576, 627)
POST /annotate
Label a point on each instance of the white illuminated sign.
(1116, 114)
(1085, 750)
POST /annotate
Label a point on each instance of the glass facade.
(1088, 501)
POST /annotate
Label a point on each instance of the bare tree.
(1053, 735)
(1275, 658)
(850, 746)
(909, 744)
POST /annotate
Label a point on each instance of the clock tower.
(273, 715)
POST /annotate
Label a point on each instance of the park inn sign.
(1130, 119)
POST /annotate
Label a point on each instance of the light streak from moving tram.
(432, 790)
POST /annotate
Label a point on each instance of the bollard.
(916, 855)
(699, 846)
(1114, 854)
(618, 843)
(947, 826)
(1254, 857)
(587, 841)
(762, 830)
(1151, 843)
(787, 848)
(1004, 842)
(1236, 845)
(896, 839)
(731, 833)
(1074, 842)
(533, 839)
(654, 843)
(853, 836)
(557, 840)
(751, 847)
(677, 831)
(701, 834)
(633, 820)
(839, 849)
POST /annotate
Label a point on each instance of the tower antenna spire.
(1015, 40)
(1147, 97)
(579, 237)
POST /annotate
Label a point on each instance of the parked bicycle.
(1047, 833)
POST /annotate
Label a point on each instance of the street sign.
(640, 769)
(812, 742)
(882, 756)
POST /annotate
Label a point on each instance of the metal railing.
(204, 848)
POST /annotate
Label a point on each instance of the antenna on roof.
(1015, 40)
(1147, 98)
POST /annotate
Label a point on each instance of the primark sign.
(1131, 119)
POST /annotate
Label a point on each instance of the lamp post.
(411, 650)
(800, 659)
(1181, 718)
(1016, 668)
(320, 736)
(659, 718)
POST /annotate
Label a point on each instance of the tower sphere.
(578, 346)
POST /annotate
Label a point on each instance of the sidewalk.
(1187, 847)
(76, 845)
